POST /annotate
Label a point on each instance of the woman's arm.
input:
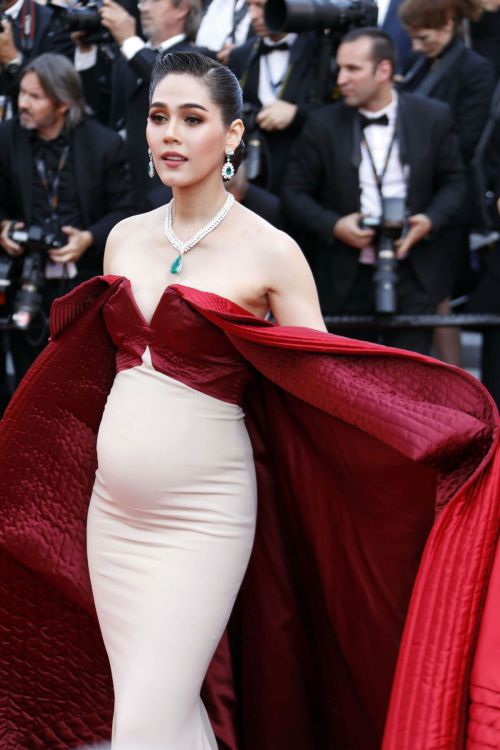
(292, 294)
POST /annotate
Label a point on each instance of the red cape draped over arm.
(378, 491)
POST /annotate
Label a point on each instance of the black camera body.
(85, 18)
(28, 271)
(35, 240)
(388, 228)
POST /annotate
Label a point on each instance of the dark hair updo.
(222, 84)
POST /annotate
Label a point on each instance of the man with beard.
(66, 175)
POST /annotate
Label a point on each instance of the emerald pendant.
(176, 266)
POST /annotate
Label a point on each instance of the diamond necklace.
(183, 247)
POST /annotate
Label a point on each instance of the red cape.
(378, 476)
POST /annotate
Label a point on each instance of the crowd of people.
(393, 119)
(223, 527)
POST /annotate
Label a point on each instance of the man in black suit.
(168, 25)
(27, 30)
(279, 76)
(375, 143)
(63, 173)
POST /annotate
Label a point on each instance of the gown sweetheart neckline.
(174, 287)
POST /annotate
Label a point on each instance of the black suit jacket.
(47, 38)
(102, 179)
(485, 34)
(300, 88)
(322, 184)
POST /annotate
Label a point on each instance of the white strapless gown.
(170, 530)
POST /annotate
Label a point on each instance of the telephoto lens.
(307, 15)
(385, 277)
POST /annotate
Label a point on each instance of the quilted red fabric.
(378, 484)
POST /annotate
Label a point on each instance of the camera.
(85, 18)
(308, 15)
(253, 146)
(388, 229)
(28, 272)
(35, 239)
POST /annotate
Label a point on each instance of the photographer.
(374, 144)
(169, 26)
(62, 175)
(449, 71)
(278, 73)
(27, 29)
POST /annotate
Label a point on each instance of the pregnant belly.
(160, 439)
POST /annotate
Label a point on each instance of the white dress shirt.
(128, 48)
(14, 10)
(273, 69)
(216, 26)
(394, 185)
(131, 46)
(383, 7)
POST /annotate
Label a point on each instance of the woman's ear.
(235, 134)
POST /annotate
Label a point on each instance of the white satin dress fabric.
(170, 529)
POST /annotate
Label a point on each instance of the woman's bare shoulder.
(275, 244)
(138, 222)
(128, 232)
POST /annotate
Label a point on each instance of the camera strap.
(52, 189)
(379, 176)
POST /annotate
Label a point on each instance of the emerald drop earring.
(227, 167)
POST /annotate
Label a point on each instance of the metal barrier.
(473, 321)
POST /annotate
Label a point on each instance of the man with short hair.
(63, 173)
(169, 26)
(374, 144)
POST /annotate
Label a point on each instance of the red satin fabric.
(181, 344)
(357, 447)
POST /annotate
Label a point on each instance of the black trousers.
(412, 299)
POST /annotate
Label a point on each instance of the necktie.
(266, 49)
(367, 121)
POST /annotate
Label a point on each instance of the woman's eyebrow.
(187, 105)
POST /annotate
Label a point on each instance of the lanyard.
(53, 189)
(275, 85)
(379, 177)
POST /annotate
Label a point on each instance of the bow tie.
(367, 121)
(266, 49)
